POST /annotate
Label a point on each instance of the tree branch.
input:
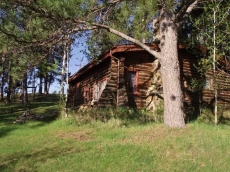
(185, 11)
(128, 38)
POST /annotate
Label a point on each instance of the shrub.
(159, 113)
(121, 116)
(207, 115)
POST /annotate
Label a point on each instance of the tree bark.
(2, 85)
(67, 79)
(9, 82)
(40, 85)
(25, 94)
(63, 72)
(33, 82)
(49, 82)
(46, 84)
(214, 67)
(170, 69)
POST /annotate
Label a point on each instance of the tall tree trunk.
(9, 82)
(49, 82)
(46, 84)
(40, 84)
(63, 72)
(214, 67)
(8, 93)
(67, 80)
(25, 94)
(33, 81)
(2, 85)
(170, 69)
(2, 92)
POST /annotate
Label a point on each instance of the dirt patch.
(81, 136)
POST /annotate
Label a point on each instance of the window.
(86, 95)
(208, 84)
(98, 89)
(132, 81)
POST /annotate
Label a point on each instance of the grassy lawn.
(64, 145)
(47, 105)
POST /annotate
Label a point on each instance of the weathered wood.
(116, 91)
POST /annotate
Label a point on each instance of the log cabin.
(127, 75)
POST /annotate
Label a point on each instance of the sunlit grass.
(60, 146)
(111, 144)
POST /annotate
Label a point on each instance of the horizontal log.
(144, 75)
(113, 78)
(113, 89)
(112, 83)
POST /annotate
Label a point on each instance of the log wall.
(116, 93)
(187, 64)
(87, 80)
(141, 62)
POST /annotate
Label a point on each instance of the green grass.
(63, 146)
(46, 105)
(108, 145)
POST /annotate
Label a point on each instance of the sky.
(77, 61)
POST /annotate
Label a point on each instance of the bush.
(207, 115)
(121, 116)
(159, 113)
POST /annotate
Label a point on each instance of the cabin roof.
(109, 53)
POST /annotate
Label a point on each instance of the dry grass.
(80, 136)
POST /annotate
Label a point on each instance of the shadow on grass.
(12, 121)
(31, 160)
(10, 113)
(4, 131)
(9, 127)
